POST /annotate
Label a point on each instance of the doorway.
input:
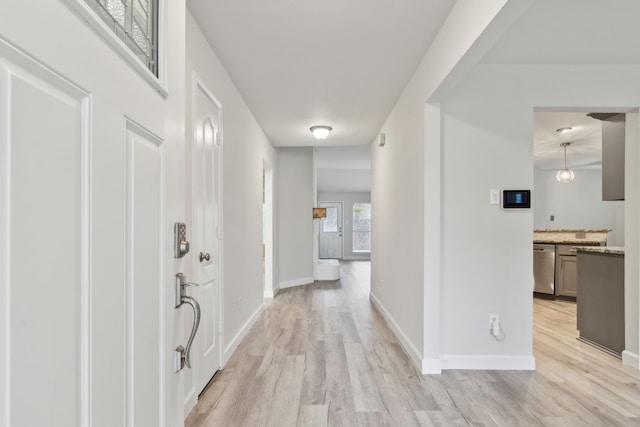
(267, 230)
(571, 205)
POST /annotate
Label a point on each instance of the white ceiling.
(572, 32)
(585, 137)
(299, 63)
(566, 32)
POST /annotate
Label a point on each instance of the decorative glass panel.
(330, 222)
(361, 227)
(135, 22)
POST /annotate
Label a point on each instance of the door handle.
(204, 256)
(196, 323)
(184, 354)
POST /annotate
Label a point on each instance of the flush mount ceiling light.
(320, 132)
(564, 130)
(565, 174)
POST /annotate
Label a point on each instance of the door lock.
(180, 243)
(204, 256)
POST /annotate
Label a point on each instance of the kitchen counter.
(571, 230)
(613, 250)
(585, 237)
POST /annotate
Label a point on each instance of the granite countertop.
(613, 250)
(570, 241)
(570, 238)
(571, 230)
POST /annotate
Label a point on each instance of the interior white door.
(206, 151)
(87, 324)
(331, 231)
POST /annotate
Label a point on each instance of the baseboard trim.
(630, 359)
(235, 342)
(489, 362)
(413, 353)
(268, 294)
(296, 282)
(431, 367)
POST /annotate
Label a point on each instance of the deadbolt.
(180, 243)
(204, 256)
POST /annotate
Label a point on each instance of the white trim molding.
(630, 359)
(235, 342)
(431, 366)
(444, 362)
(296, 282)
(406, 344)
(493, 362)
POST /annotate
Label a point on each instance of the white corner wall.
(348, 199)
(296, 190)
(397, 226)
(486, 265)
(577, 204)
(488, 144)
(245, 149)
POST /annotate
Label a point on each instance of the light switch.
(494, 196)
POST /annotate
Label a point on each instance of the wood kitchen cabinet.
(567, 277)
(566, 271)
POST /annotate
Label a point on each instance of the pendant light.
(565, 174)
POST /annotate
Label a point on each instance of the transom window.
(135, 22)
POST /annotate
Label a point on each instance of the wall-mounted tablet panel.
(516, 199)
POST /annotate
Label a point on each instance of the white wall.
(486, 252)
(577, 204)
(486, 266)
(406, 189)
(296, 190)
(397, 224)
(245, 148)
(348, 199)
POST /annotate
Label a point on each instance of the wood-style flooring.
(321, 355)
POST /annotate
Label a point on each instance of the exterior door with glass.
(331, 231)
(90, 159)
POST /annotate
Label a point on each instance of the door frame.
(267, 229)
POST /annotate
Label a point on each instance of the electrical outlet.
(494, 325)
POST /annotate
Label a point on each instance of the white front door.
(331, 231)
(89, 153)
(206, 137)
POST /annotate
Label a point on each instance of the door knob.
(204, 256)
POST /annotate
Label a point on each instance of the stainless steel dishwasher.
(544, 268)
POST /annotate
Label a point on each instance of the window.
(330, 222)
(362, 227)
(135, 22)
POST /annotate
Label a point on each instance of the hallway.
(321, 355)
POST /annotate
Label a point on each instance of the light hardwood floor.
(321, 355)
